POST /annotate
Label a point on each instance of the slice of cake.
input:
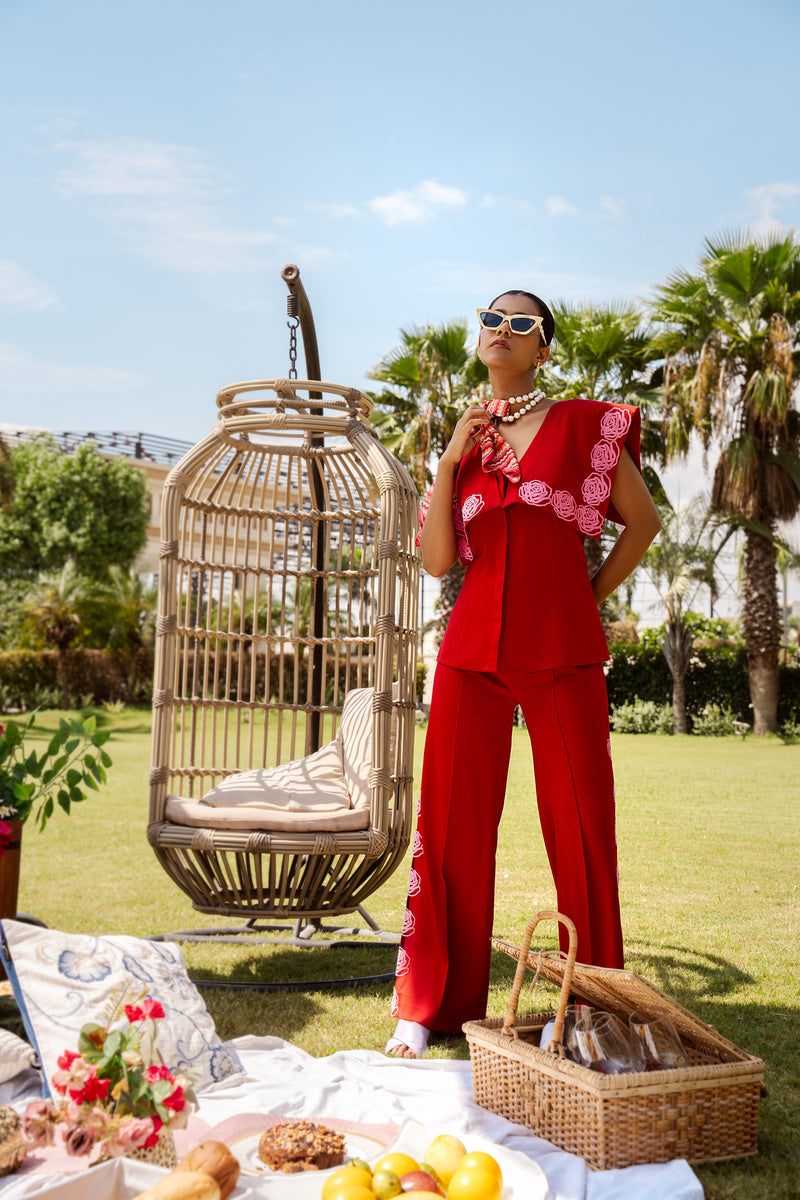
(301, 1146)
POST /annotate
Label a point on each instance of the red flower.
(154, 1138)
(96, 1089)
(157, 1072)
(152, 1009)
(175, 1101)
(133, 1013)
(67, 1059)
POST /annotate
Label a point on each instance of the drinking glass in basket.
(603, 1044)
(655, 1043)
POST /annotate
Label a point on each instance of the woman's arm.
(634, 504)
(438, 540)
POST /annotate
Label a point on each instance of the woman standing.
(521, 483)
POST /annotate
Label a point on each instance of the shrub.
(716, 720)
(642, 716)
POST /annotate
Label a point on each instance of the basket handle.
(566, 983)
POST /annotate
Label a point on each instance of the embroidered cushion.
(63, 980)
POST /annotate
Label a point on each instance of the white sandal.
(411, 1034)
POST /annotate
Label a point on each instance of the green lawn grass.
(709, 845)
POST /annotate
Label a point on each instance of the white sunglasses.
(522, 323)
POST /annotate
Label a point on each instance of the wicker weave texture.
(288, 577)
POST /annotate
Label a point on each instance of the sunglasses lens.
(523, 324)
(491, 320)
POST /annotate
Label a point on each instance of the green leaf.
(73, 777)
(72, 745)
(54, 745)
(63, 800)
(105, 759)
(76, 795)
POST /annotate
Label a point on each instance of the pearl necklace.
(533, 398)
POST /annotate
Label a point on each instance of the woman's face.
(519, 352)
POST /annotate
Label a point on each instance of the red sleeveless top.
(527, 602)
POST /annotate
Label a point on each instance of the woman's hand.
(466, 435)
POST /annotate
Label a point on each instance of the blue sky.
(163, 160)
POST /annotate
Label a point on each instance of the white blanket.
(365, 1086)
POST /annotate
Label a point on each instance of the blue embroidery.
(86, 968)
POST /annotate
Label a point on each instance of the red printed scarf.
(496, 454)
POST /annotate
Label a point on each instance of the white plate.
(245, 1150)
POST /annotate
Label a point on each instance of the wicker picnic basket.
(706, 1111)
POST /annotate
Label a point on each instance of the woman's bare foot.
(410, 1040)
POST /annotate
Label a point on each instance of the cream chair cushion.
(328, 790)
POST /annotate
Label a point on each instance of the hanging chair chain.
(292, 307)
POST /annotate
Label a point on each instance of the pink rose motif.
(133, 1132)
(414, 884)
(596, 489)
(403, 962)
(464, 549)
(395, 1003)
(417, 850)
(409, 924)
(471, 507)
(589, 520)
(38, 1129)
(535, 492)
(604, 456)
(615, 423)
(564, 506)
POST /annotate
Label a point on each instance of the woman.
(521, 483)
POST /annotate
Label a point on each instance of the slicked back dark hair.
(548, 320)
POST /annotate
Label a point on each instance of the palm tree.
(681, 561)
(607, 352)
(131, 617)
(429, 379)
(7, 482)
(730, 345)
(54, 611)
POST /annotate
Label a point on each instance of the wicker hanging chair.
(288, 580)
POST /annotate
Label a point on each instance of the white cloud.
(612, 207)
(417, 205)
(22, 373)
(765, 200)
(165, 201)
(20, 291)
(557, 206)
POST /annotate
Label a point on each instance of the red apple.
(419, 1181)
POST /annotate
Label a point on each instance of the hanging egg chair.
(286, 644)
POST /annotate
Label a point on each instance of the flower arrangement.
(116, 1095)
(72, 760)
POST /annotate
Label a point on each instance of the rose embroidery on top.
(462, 541)
(564, 505)
(596, 488)
(472, 506)
(604, 456)
(535, 492)
(590, 521)
(615, 423)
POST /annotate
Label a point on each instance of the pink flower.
(615, 423)
(595, 489)
(74, 1074)
(564, 506)
(604, 456)
(133, 1132)
(403, 962)
(535, 491)
(78, 1141)
(38, 1128)
(96, 1122)
(67, 1059)
(590, 521)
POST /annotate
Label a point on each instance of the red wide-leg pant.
(443, 961)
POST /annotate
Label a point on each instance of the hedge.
(715, 676)
(25, 673)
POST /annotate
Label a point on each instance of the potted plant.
(32, 783)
